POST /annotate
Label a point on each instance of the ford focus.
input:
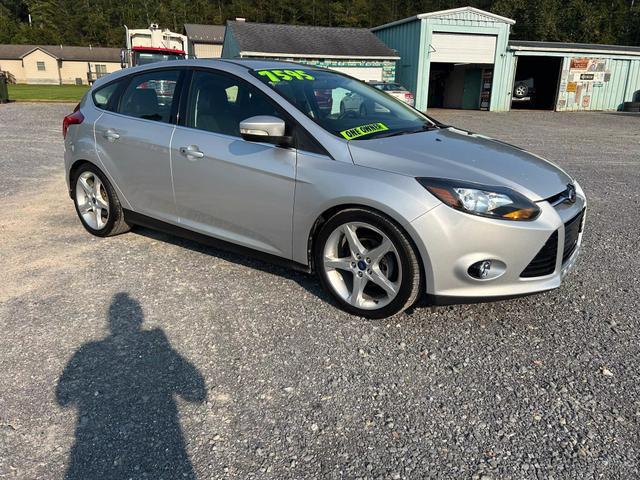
(382, 202)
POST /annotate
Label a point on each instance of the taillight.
(74, 118)
(408, 95)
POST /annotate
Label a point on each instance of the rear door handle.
(191, 151)
(111, 135)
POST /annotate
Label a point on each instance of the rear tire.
(367, 263)
(96, 202)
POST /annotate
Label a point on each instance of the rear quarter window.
(102, 96)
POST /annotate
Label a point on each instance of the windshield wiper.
(425, 128)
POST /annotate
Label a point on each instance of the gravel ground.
(147, 356)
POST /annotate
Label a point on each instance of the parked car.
(352, 102)
(524, 91)
(395, 90)
(385, 205)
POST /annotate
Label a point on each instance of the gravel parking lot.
(147, 356)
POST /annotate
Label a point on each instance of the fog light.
(480, 269)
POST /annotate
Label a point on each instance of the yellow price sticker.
(362, 130)
(286, 75)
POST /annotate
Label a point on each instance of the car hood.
(460, 155)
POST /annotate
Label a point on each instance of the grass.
(46, 93)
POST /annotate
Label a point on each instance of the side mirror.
(267, 129)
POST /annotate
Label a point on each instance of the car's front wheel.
(367, 263)
(96, 202)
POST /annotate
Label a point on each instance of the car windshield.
(145, 58)
(344, 106)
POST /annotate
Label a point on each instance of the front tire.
(96, 202)
(367, 263)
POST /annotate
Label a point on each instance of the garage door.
(362, 73)
(462, 48)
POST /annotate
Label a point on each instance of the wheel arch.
(75, 166)
(424, 261)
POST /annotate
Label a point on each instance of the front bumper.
(450, 241)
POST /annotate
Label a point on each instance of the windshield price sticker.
(362, 130)
(286, 75)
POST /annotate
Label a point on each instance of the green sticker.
(286, 75)
(362, 130)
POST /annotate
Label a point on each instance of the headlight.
(492, 202)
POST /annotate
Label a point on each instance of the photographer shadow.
(124, 389)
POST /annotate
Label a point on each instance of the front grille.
(564, 196)
(572, 231)
(557, 198)
(544, 263)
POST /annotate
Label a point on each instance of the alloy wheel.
(92, 200)
(362, 265)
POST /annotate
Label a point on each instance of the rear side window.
(150, 96)
(102, 96)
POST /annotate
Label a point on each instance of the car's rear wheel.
(96, 202)
(367, 263)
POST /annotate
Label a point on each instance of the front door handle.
(111, 135)
(191, 151)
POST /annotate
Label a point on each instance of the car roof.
(249, 64)
(256, 64)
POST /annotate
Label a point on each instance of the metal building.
(448, 58)
(574, 76)
(463, 58)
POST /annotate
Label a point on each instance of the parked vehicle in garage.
(523, 91)
(395, 90)
(384, 204)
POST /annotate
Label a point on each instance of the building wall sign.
(388, 66)
(579, 63)
(583, 75)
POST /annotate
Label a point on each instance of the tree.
(100, 22)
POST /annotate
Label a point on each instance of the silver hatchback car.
(383, 202)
